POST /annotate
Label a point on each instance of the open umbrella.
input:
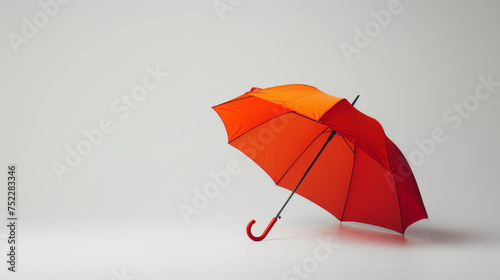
(327, 151)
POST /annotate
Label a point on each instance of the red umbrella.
(341, 158)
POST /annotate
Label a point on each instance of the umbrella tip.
(255, 89)
(356, 99)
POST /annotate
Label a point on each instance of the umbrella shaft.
(307, 171)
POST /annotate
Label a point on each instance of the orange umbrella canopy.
(361, 174)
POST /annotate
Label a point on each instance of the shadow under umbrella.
(362, 233)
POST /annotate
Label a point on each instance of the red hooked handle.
(264, 234)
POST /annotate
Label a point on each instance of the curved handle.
(264, 234)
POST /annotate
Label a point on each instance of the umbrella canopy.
(360, 176)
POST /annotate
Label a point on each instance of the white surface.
(116, 216)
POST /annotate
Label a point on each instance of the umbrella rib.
(347, 143)
(262, 124)
(397, 192)
(295, 161)
(352, 169)
(234, 100)
(350, 182)
(284, 103)
(399, 203)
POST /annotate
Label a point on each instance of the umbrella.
(322, 148)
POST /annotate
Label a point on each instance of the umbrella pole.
(307, 171)
(273, 221)
(312, 163)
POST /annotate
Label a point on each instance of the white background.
(116, 215)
